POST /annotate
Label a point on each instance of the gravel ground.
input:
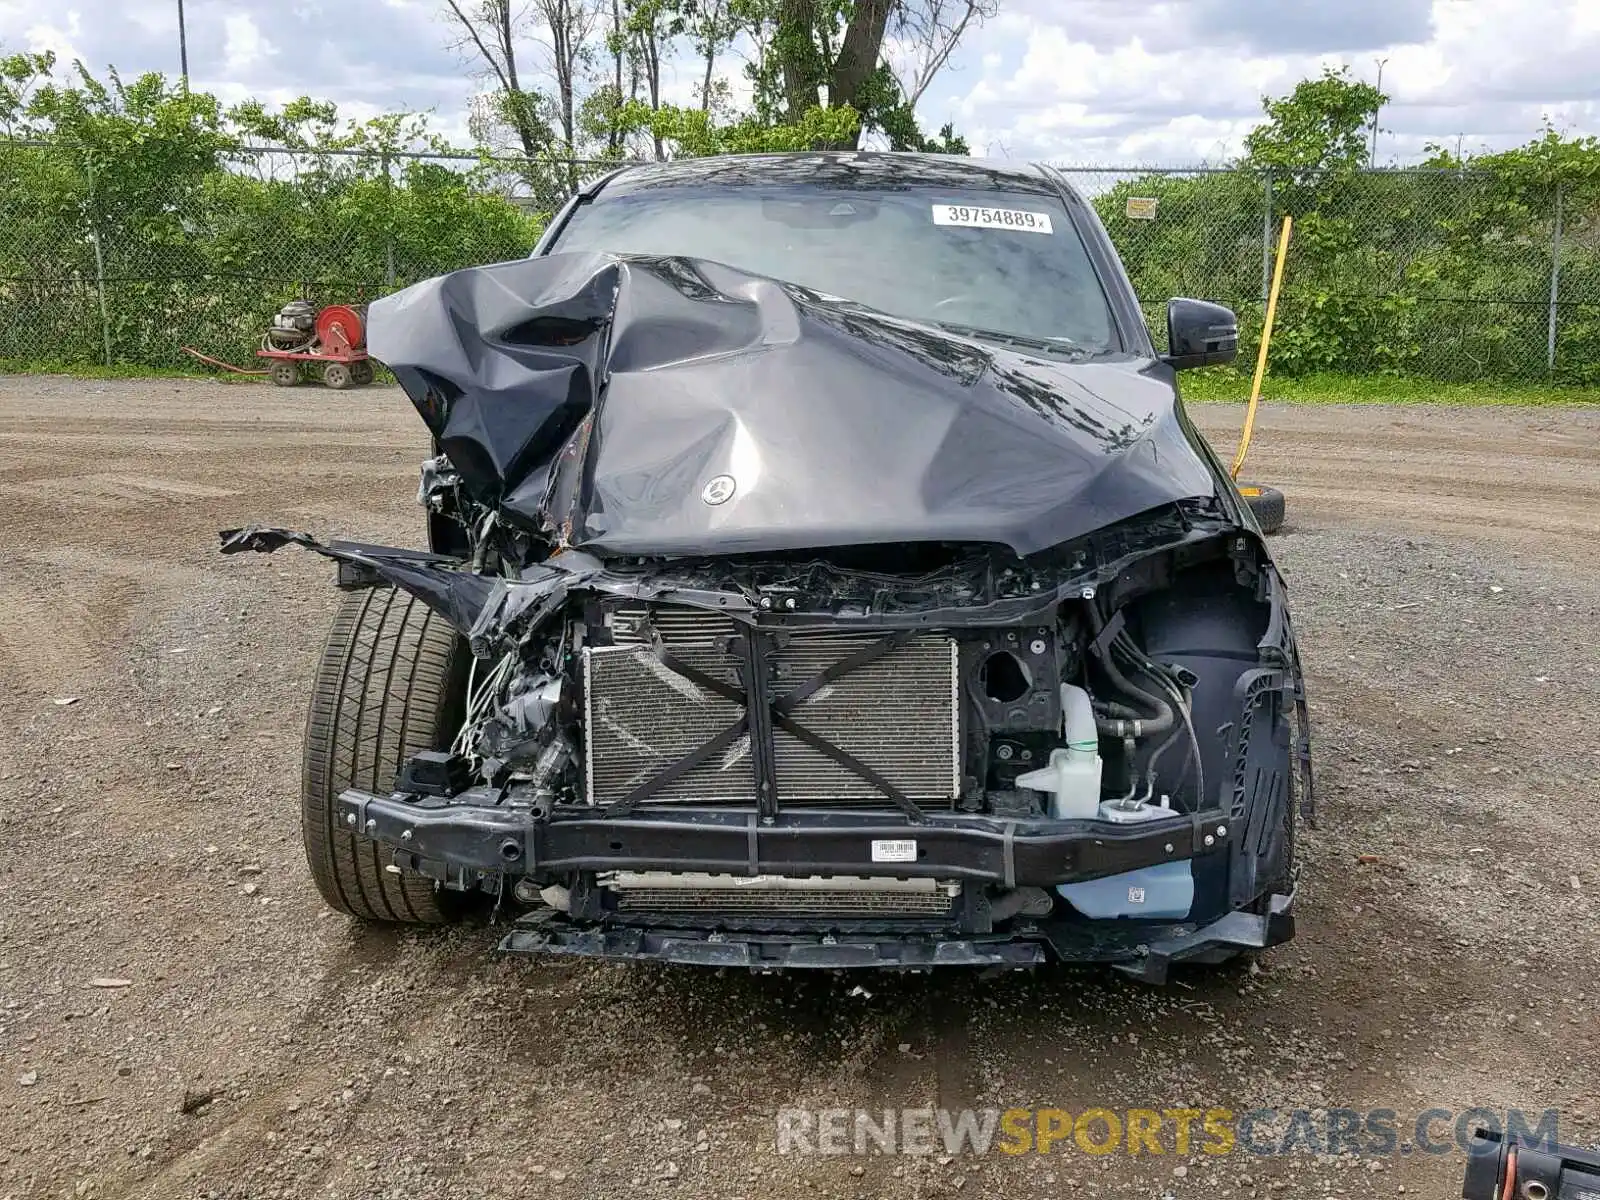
(1446, 588)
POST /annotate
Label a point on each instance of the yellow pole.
(1266, 340)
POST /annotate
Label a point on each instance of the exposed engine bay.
(800, 715)
(616, 702)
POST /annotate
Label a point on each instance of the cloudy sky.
(1082, 81)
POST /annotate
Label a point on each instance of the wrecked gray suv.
(823, 572)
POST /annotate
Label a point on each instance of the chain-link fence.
(131, 268)
(1445, 274)
(1451, 275)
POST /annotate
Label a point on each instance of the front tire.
(392, 682)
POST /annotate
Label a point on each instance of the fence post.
(99, 264)
(388, 225)
(1266, 236)
(1555, 287)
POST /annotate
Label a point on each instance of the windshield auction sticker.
(1020, 220)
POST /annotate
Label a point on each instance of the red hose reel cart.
(305, 340)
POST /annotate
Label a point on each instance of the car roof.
(835, 168)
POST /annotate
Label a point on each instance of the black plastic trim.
(1147, 953)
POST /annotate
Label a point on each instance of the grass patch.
(1212, 386)
(13, 366)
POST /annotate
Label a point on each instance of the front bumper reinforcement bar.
(470, 832)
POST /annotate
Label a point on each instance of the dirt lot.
(1447, 585)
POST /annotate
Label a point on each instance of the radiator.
(899, 714)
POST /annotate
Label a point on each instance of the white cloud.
(1125, 81)
(243, 47)
(59, 39)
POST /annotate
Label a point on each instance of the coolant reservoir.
(1073, 777)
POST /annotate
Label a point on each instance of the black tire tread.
(390, 683)
(1269, 507)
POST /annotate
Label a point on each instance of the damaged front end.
(1028, 691)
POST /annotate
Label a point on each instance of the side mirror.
(1200, 334)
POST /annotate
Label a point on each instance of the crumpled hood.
(670, 406)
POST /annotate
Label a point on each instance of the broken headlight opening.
(807, 735)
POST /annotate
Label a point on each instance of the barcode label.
(894, 851)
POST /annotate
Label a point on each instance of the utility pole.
(1372, 150)
(183, 48)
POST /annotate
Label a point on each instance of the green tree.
(20, 75)
(1342, 304)
(829, 53)
(1321, 126)
(487, 35)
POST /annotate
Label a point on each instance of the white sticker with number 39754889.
(1018, 220)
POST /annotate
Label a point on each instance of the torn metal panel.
(668, 406)
(458, 596)
(982, 590)
(485, 607)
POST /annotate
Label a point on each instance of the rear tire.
(392, 682)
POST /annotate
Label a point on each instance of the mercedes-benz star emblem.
(718, 490)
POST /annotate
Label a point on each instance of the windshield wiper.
(1027, 341)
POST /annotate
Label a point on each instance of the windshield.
(996, 264)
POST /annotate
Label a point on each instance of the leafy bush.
(154, 202)
(1442, 271)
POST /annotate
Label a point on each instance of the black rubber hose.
(1160, 679)
(1115, 727)
(1155, 758)
(1112, 709)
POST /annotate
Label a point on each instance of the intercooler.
(897, 714)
